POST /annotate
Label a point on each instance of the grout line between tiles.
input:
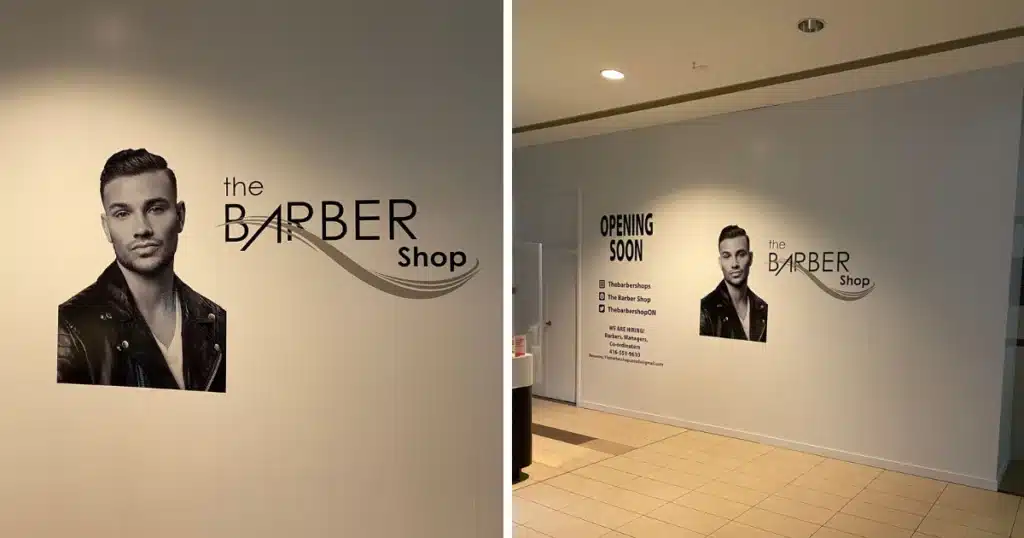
(1016, 515)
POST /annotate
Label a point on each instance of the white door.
(560, 324)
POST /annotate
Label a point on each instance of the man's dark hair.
(132, 162)
(732, 231)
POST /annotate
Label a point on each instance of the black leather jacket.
(718, 317)
(102, 339)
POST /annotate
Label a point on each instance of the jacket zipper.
(213, 373)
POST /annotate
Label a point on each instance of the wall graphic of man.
(139, 325)
(732, 310)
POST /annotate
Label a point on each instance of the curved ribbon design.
(399, 287)
(838, 294)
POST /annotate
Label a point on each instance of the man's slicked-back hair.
(132, 162)
(732, 231)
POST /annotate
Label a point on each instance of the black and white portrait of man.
(139, 324)
(732, 310)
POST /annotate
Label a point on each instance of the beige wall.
(349, 412)
(916, 181)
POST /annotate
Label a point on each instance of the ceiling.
(560, 47)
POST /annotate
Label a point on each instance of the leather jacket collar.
(723, 316)
(201, 333)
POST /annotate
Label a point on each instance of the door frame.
(575, 326)
(537, 195)
(579, 297)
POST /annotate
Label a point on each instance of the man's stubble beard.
(129, 264)
(738, 285)
(742, 284)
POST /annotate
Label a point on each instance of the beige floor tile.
(739, 530)
(604, 474)
(826, 532)
(524, 511)
(706, 455)
(831, 468)
(813, 497)
(560, 525)
(715, 460)
(758, 483)
(653, 488)
(697, 468)
(783, 457)
(670, 449)
(630, 465)
(703, 480)
(938, 528)
(618, 429)
(825, 485)
(712, 504)
(857, 481)
(600, 513)
(734, 493)
(770, 471)
(652, 456)
(997, 525)
(1018, 526)
(688, 518)
(797, 509)
(882, 514)
(579, 463)
(741, 449)
(630, 500)
(865, 527)
(888, 500)
(697, 438)
(520, 531)
(986, 503)
(549, 496)
(608, 447)
(679, 478)
(580, 485)
(646, 527)
(777, 523)
(554, 453)
(904, 485)
(538, 472)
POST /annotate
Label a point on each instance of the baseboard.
(881, 463)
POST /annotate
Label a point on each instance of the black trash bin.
(522, 415)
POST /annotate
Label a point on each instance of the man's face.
(735, 256)
(142, 219)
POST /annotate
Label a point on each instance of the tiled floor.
(597, 475)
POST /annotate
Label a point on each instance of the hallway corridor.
(597, 475)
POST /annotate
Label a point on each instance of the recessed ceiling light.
(612, 74)
(811, 25)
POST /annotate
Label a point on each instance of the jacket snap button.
(211, 316)
(216, 347)
(123, 345)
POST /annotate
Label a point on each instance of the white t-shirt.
(745, 320)
(172, 352)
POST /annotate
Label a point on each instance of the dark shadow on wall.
(253, 62)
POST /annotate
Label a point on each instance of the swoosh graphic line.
(838, 294)
(405, 282)
(422, 284)
(446, 280)
(448, 288)
(421, 289)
